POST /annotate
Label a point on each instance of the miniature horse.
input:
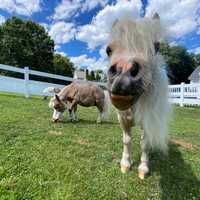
(78, 93)
(138, 86)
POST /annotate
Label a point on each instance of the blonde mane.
(138, 36)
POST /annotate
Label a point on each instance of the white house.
(80, 74)
(195, 76)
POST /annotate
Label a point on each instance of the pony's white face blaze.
(57, 115)
(58, 106)
(131, 54)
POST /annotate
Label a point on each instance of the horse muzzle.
(125, 83)
(122, 102)
(124, 92)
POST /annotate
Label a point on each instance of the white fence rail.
(183, 94)
(29, 87)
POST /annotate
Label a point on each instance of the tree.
(180, 63)
(26, 43)
(98, 76)
(62, 65)
(196, 58)
(92, 76)
(87, 74)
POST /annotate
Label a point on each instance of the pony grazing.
(138, 86)
(78, 93)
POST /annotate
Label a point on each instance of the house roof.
(195, 76)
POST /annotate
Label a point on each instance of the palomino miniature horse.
(84, 94)
(138, 86)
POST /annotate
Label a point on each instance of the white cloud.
(83, 61)
(61, 53)
(179, 17)
(102, 52)
(62, 32)
(195, 50)
(21, 7)
(2, 19)
(90, 4)
(198, 22)
(173, 43)
(97, 33)
(68, 8)
(57, 47)
(46, 26)
(90, 63)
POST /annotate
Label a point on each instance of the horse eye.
(108, 51)
(157, 46)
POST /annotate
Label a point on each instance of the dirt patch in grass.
(183, 143)
(58, 133)
(82, 141)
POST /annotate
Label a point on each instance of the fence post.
(26, 82)
(198, 91)
(182, 95)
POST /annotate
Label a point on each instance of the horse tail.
(106, 105)
(51, 90)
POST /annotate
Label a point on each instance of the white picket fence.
(183, 94)
(29, 87)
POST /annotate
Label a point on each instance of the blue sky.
(80, 27)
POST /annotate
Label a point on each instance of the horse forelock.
(137, 36)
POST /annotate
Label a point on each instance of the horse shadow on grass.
(88, 122)
(177, 182)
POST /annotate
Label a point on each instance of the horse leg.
(143, 168)
(71, 110)
(70, 115)
(126, 119)
(74, 113)
(100, 109)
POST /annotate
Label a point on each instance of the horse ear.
(156, 16)
(115, 22)
(57, 98)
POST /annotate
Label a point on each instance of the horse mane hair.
(130, 33)
(152, 108)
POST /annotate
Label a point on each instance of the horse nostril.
(113, 70)
(135, 69)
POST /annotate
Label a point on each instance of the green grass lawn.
(42, 160)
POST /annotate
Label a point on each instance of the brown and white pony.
(138, 86)
(78, 93)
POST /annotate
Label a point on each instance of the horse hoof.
(55, 120)
(141, 175)
(125, 169)
(143, 170)
(72, 120)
